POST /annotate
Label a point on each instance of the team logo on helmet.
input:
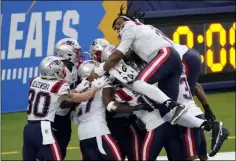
(55, 62)
(68, 42)
(94, 43)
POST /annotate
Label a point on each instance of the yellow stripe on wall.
(112, 8)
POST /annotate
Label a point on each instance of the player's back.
(146, 42)
(91, 118)
(44, 97)
(181, 49)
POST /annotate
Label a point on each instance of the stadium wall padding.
(28, 38)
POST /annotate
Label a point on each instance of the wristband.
(206, 107)
(111, 106)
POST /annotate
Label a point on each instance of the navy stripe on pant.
(192, 63)
(32, 144)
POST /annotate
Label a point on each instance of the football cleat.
(218, 135)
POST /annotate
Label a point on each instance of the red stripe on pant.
(135, 143)
(55, 150)
(155, 64)
(189, 142)
(113, 146)
(146, 144)
(186, 67)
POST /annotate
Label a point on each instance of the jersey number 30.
(35, 99)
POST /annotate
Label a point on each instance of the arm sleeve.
(127, 36)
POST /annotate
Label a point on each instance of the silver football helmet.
(86, 68)
(97, 47)
(51, 67)
(68, 49)
(107, 52)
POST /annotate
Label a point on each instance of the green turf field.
(223, 104)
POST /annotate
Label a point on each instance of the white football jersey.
(71, 78)
(141, 39)
(151, 119)
(181, 49)
(91, 118)
(44, 98)
(185, 96)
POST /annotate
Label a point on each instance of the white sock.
(186, 120)
(150, 91)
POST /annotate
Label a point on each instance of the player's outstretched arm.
(80, 97)
(84, 96)
(203, 99)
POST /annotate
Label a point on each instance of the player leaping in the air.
(163, 64)
(192, 62)
(45, 96)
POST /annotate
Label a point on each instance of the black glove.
(143, 107)
(209, 116)
(170, 104)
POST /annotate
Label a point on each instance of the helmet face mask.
(97, 48)
(96, 55)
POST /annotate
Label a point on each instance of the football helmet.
(68, 49)
(86, 68)
(97, 47)
(51, 67)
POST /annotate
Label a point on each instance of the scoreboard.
(212, 36)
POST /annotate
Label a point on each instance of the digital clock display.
(214, 41)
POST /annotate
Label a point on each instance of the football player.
(192, 63)
(163, 64)
(96, 141)
(69, 51)
(123, 126)
(45, 96)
